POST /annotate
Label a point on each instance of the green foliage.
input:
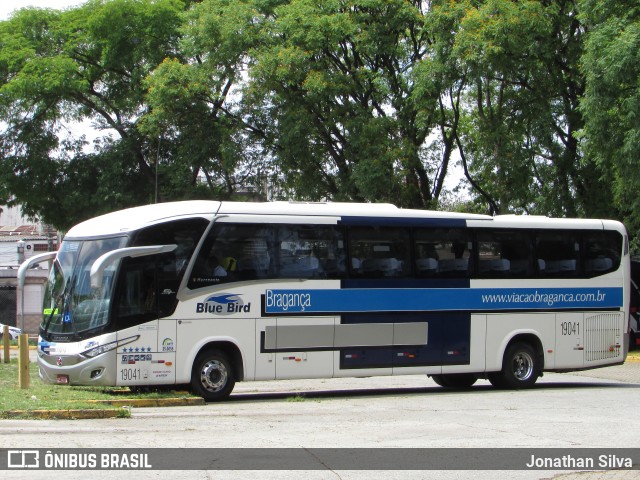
(337, 78)
(611, 104)
(193, 104)
(520, 114)
(363, 100)
(85, 64)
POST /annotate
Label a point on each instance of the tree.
(611, 103)
(195, 102)
(86, 64)
(521, 112)
(363, 100)
(338, 80)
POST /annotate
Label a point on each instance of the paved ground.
(628, 373)
(552, 414)
(610, 475)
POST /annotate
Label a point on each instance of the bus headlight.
(107, 347)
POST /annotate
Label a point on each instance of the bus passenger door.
(146, 291)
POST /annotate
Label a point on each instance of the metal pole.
(5, 342)
(22, 275)
(23, 361)
(23, 341)
(157, 162)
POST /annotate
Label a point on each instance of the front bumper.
(78, 369)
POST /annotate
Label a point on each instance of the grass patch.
(33, 342)
(43, 397)
(296, 398)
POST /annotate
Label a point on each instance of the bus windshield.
(71, 308)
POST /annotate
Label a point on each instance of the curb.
(80, 414)
(84, 414)
(151, 402)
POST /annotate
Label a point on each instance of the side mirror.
(109, 258)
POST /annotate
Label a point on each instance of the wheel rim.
(213, 375)
(522, 366)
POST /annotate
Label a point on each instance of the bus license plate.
(62, 379)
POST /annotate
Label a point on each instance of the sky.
(8, 6)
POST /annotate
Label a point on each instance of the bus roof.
(338, 209)
(132, 219)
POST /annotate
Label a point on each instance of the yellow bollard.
(23, 361)
(5, 344)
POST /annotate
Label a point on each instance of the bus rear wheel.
(212, 377)
(520, 368)
(455, 380)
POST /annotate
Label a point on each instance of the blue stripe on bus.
(301, 301)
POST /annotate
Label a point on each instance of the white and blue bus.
(211, 293)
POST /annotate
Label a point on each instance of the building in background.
(20, 239)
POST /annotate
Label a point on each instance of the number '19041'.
(130, 374)
(570, 328)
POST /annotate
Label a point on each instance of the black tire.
(455, 380)
(213, 376)
(520, 368)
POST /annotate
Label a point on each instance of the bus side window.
(442, 252)
(183, 233)
(146, 289)
(234, 252)
(504, 254)
(557, 253)
(164, 272)
(255, 253)
(378, 252)
(602, 250)
(310, 251)
(136, 295)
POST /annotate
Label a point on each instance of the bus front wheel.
(212, 377)
(520, 368)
